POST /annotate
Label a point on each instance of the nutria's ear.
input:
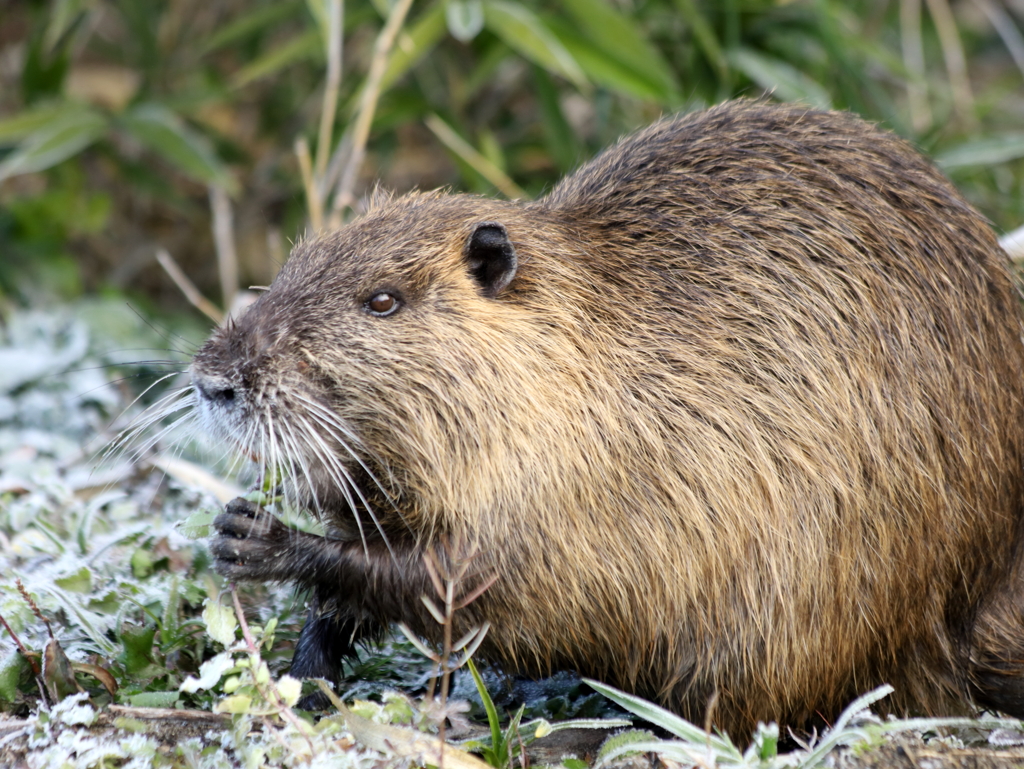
(491, 257)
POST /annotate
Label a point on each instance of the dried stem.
(953, 53)
(275, 251)
(34, 607)
(449, 616)
(479, 163)
(270, 693)
(313, 202)
(188, 288)
(524, 759)
(338, 159)
(335, 13)
(913, 60)
(343, 197)
(224, 242)
(448, 584)
(20, 645)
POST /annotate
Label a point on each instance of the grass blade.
(666, 720)
(56, 141)
(165, 133)
(525, 33)
(785, 81)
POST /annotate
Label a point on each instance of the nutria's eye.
(382, 304)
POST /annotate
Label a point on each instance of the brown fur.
(747, 426)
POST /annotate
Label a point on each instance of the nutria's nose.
(214, 389)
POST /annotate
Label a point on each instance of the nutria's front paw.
(252, 544)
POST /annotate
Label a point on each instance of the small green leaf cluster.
(507, 744)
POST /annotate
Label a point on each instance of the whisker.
(332, 459)
(342, 481)
(294, 444)
(146, 446)
(143, 394)
(162, 409)
(330, 422)
(81, 396)
(334, 466)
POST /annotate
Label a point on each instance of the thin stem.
(479, 163)
(953, 53)
(913, 60)
(335, 13)
(188, 288)
(255, 661)
(343, 197)
(316, 210)
(21, 647)
(224, 242)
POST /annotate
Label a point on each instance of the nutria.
(735, 414)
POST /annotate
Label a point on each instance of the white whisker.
(330, 422)
(342, 481)
(167, 405)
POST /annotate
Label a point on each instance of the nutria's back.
(736, 414)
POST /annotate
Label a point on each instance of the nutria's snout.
(735, 415)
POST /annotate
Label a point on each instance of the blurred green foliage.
(117, 115)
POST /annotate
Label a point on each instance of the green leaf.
(138, 647)
(142, 563)
(56, 141)
(165, 133)
(43, 68)
(561, 140)
(318, 10)
(220, 622)
(492, 712)
(604, 70)
(414, 43)
(619, 38)
(33, 119)
(197, 525)
(766, 739)
(79, 582)
(235, 704)
(783, 80)
(465, 18)
(13, 667)
(63, 16)
(988, 151)
(268, 633)
(307, 45)
(476, 160)
(525, 33)
(619, 743)
(169, 623)
(210, 673)
(658, 716)
(290, 690)
(92, 624)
